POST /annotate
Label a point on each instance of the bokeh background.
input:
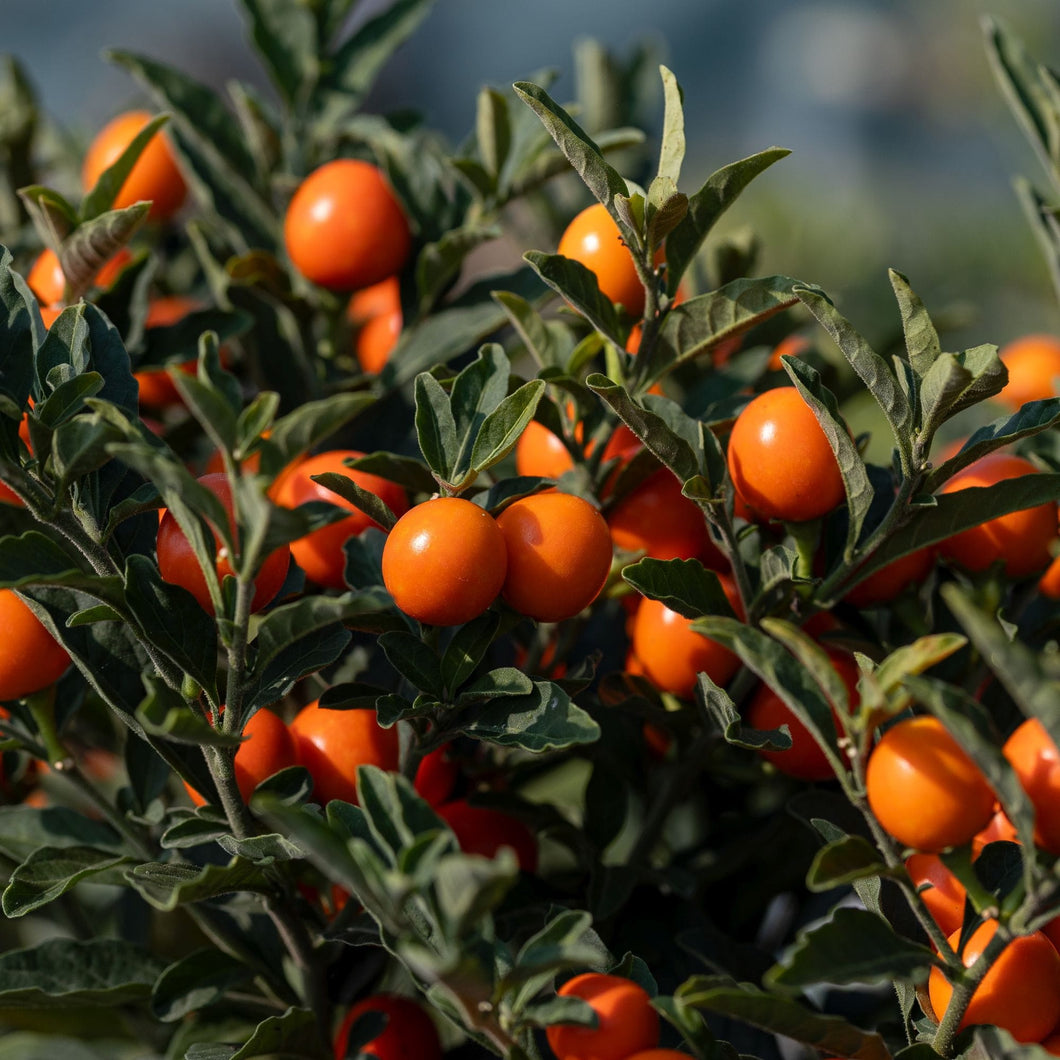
(903, 148)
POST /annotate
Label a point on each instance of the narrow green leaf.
(843, 861)
(871, 369)
(294, 1036)
(415, 661)
(439, 263)
(435, 426)
(603, 180)
(531, 328)
(285, 37)
(577, 285)
(194, 982)
(921, 338)
(365, 500)
(164, 712)
(493, 131)
(672, 139)
(500, 430)
(167, 886)
(720, 190)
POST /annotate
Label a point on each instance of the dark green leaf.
(166, 886)
(578, 285)
(415, 661)
(49, 872)
(435, 426)
(195, 981)
(94, 242)
(683, 585)
(707, 205)
(543, 720)
(500, 430)
(439, 263)
(285, 37)
(843, 861)
(62, 973)
(23, 829)
(531, 328)
(781, 1015)
(467, 649)
(493, 131)
(294, 1036)
(921, 338)
(853, 946)
(165, 712)
(373, 506)
(578, 148)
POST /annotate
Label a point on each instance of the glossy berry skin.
(559, 555)
(804, 760)
(444, 561)
(940, 890)
(924, 790)
(1033, 363)
(30, 657)
(483, 830)
(156, 175)
(344, 228)
(376, 314)
(1036, 761)
(1020, 992)
(780, 462)
(672, 653)
(1020, 539)
(436, 775)
(656, 518)
(409, 1033)
(331, 744)
(177, 563)
(593, 239)
(626, 1021)
(157, 389)
(888, 583)
(266, 749)
(320, 553)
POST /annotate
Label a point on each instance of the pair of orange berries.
(548, 555)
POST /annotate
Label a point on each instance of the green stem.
(42, 706)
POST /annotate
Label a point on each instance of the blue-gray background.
(903, 150)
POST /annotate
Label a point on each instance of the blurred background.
(903, 148)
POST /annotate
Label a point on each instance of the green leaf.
(698, 325)
(871, 369)
(165, 712)
(210, 141)
(466, 650)
(1030, 89)
(365, 500)
(406, 471)
(63, 973)
(439, 263)
(676, 439)
(822, 403)
(295, 640)
(956, 381)
(49, 872)
(52, 216)
(306, 426)
(167, 886)
(24, 829)
(531, 328)
(172, 621)
(96, 240)
(435, 426)
(672, 141)
(1018, 667)
(578, 285)
(415, 661)
(1031, 418)
(285, 38)
(546, 719)
(500, 430)
(493, 131)
(843, 861)
(781, 1015)
(351, 71)
(683, 585)
(194, 982)
(578, 148)
(852, 946)
(921, 338)
(720, 190)
(460, 326)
